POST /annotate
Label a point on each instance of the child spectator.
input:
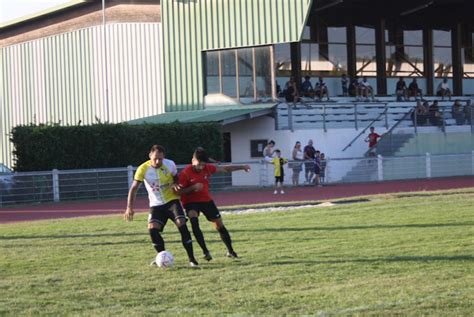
(278, 162)
(372, 138)
(322, 175)
(317, 168)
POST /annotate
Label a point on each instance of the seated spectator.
(443, 89)
(401, 90)
(344, 83)
(435, 116)
(414, 90)
(458, 113)
(366, 89)
(321, 89)
(307, 88)
(291, 92)
(468, 112)
(354, 87)
(421, 112)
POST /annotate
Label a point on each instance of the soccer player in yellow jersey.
(160, 176)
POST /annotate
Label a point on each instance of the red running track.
(80, 209)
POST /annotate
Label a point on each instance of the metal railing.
(113, 183)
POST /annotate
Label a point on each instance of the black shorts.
(317, 170)
(208, 208)
(279, 179)
(171, 210)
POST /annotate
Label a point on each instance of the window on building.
(469, 56)
(365, 52)
(327, 56)
(245, 74)
(404, 51)
(442, 54)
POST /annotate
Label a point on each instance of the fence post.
(130, 175)
(428, 165)
(56, 185)
(472, 162)
(380, 167)
(290, 116)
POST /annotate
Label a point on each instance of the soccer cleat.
(282, 192)
(207, 256)
(193, 264)
(275, 192)
(153, 263)
(232, 255)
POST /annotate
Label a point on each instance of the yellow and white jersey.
(158, 181)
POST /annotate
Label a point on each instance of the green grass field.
(408, 254)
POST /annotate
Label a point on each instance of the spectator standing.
(308, 153)
(321, 89)
(317, 168)
(279, 162)
(297, 166)
(443, 89)
(322, 175)
(344, 85)
(458, 112)
(414, 90)
(401, 90)
(372, 139)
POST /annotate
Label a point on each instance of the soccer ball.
(164, 259)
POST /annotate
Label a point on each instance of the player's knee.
(180, 222)
(154, 225)
(192, 214)
(218, 224)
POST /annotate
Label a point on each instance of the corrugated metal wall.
(59, 79)
(191, 26)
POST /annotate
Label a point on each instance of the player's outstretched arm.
(128, 216)
(232, 168)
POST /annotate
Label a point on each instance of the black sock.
(187, 242)
(225, 236)
(198, 234)
(158, 242)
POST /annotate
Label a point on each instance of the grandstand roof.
(223, 115)
(415, 14)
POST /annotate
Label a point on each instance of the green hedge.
(45, 147)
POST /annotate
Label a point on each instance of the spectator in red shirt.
(194, 184)
(372, 138)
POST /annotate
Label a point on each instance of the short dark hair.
(271, 142)
(201, 155)
(159, 148)
(277, 151)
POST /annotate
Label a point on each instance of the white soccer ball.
(164, 259)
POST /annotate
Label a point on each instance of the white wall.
(331, 143)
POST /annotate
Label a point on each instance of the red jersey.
(373, 139)
(189, 177)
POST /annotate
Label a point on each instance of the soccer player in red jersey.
(194, 184)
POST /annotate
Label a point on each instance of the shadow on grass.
(380, 260)
(74, 235)
(362, 227)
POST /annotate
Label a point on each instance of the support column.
(428, 60)
(351, 50)
(295, 49)
(456, 47)
(381, 59)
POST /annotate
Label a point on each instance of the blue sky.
(14, 9)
